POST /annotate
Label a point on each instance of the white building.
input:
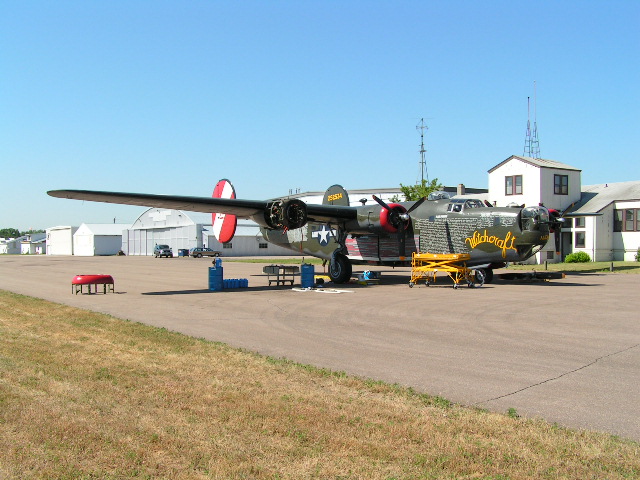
(184, 230)
(60, 240)
(98, 239)
(605, 223)
(9, 246)
(602, 220)
(33, 244)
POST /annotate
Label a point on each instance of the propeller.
(555, 224)
(400, 220)
(556, 221)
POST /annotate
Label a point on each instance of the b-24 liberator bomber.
(378, 233)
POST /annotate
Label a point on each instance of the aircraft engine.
(286, 214)
(391, 218)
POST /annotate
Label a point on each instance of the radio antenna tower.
(423, 164)
(531, 142)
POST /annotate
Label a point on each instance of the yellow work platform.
(425, 267)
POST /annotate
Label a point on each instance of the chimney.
(460, 189)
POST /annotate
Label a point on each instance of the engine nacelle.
(389, 219)
(378, 220)
(286, 214)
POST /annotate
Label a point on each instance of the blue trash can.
(307, 275)
(215, 279)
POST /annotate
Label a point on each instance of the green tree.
(419, 190)
(9, 232)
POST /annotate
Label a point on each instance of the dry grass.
(84, 395)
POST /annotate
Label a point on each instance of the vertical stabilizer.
(336, 195)
(224, 224)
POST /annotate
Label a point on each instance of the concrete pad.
(567, 350)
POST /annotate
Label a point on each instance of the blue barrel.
(307, 275)
(215, 279)
(218, 262)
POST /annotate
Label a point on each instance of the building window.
(627, 220)
(579, 222)
(629, 223)
(263, 245)
(227, 245)
(550, 255)
(579, 239)
(513, 185)
(561, 184)
(617, 220)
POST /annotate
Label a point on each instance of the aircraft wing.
(238, 207)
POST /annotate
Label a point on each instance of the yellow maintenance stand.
(425, 266)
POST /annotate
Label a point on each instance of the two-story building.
(601, 220)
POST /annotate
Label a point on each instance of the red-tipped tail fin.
(224, 225)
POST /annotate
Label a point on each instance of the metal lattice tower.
(531, 142)
(423, 164)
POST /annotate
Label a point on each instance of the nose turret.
(535, 219)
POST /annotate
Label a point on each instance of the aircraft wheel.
(410, 284)
(340, 269)
(483, 275)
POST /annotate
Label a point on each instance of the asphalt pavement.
(567, 351)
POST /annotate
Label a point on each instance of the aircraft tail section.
(224, 224)
(336, 195)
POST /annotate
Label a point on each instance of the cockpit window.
(459, 205)
(438, 196)
(473, 204)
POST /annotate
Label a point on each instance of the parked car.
(162, 251)
(204, 252)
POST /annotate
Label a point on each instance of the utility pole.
(423, 164)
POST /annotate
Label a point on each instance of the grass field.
(589, 267)
(88, 396)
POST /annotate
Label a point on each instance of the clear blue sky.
(169, 97)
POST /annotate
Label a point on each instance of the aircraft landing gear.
(340, 268)
(483, 275)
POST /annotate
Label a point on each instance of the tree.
(9, 232)
(419, 190)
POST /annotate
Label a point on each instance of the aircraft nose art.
(224, 224)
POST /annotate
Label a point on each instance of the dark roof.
(538, 162)
(596, 197)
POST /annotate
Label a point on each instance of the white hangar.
(98, 239)
(184, 230)
(60, 240)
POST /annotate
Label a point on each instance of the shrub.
(638, 255)
(577, 257)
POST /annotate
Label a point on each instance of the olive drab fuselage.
(489, 235)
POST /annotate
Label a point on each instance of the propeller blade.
(556, 225)
(381, 203)
(402, 235)
(416, 205)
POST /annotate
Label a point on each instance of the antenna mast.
(531, 142)
(423, 164)
(535, 144)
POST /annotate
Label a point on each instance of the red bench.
(79, 281)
